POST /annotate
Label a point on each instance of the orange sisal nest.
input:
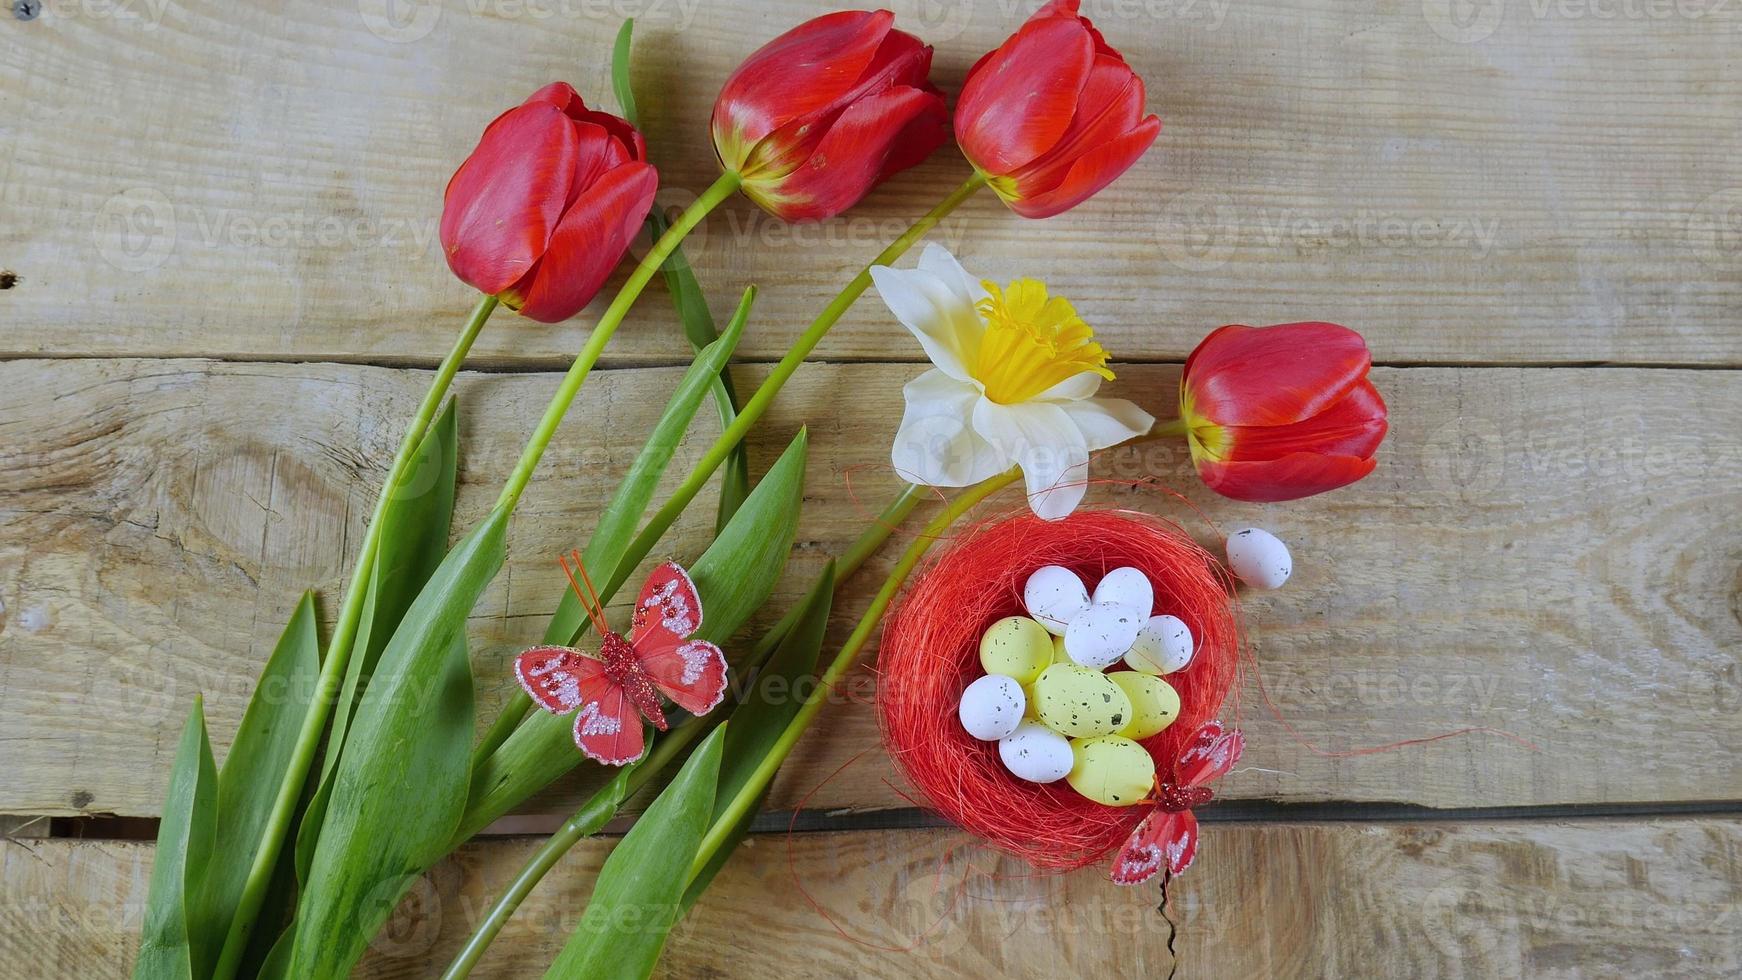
(930, 653)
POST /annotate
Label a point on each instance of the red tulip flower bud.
(1053, 115)
(544, 208)
(825, 112)
(1278, 413)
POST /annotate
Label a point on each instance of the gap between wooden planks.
(1550, 552)
(1536, 185)
(1606, 898)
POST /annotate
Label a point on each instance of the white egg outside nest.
(1259, 558)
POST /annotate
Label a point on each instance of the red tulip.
(1053, 115)
(825, 112)
(1278, 413)
(543, 209)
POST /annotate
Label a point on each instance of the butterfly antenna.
(589, 583)
(594, 613)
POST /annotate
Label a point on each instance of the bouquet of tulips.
(357, 767)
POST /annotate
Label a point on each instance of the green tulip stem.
(344, 635)
(338, 656)
(716, 454)
(764, 396)
(609, 321)
(665, 748)
(1169, 429)
(741, 805)
(519, 704)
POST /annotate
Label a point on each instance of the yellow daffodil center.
(1032, 342)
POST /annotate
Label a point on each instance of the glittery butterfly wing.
(608, 728)
(1165, 838)
(692, 673)
(552, 676)
(560, 679)
(1169, 837)
(1210, 754)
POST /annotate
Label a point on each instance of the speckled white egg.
(1036, 753)
(1259, 558)
(1102, 633)
(1126, 587)
(992, 707)
(1054, 595)
(1164, 645)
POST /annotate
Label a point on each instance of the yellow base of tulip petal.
(1206, 439)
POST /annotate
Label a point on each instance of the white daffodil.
(1015, 372)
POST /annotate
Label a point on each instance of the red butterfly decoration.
(629, 675)
(1169, 835)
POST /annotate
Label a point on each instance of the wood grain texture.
(1551, 552)
(1599, 899)
(1557, 181)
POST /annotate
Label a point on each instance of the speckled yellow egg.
(1111, 770)
(1154, 703)
(1018, 647)
(1078, 702)
(1059, 656)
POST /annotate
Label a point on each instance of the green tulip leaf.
(770, 701)
(615, 528)
(176, 939)
(400, 786)
(413, 540)
(637, 895)
(691, 302)
(734, 578)
(738, 572)
(248, 781)
(604, 555)
(620, 72)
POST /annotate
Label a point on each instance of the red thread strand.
(1300, 740)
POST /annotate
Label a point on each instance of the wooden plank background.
(219, 223)
(1657, 898)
